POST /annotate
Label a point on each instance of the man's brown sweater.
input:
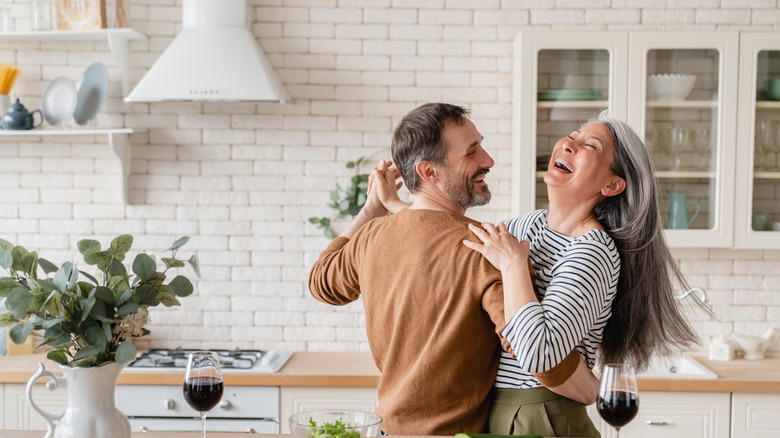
(433, 308)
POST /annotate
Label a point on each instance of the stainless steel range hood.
(214, 58)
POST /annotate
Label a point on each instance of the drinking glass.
(679, 141)
(203, 383)
(763, 142)
(701, 144)
(618, 399)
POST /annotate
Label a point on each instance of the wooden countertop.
(303, 369)
(358, 370)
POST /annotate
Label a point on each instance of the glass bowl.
(669, 86)
(335, 424)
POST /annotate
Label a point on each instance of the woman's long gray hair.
(645, 318)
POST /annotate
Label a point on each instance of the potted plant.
(88, 320)
(88, 323)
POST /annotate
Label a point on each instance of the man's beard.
(463, 193)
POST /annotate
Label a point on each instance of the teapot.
(678, 211)
(18, 118)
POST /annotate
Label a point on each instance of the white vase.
(91, 411)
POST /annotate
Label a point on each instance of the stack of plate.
(63, 99)
(569, 95)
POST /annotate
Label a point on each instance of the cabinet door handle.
(657, 423)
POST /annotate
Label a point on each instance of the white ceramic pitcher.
(91, 411)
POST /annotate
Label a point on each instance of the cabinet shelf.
(767, 104)
(118, 43)
(573, 104)
(767, 175)
(117, 138)
(682, 104)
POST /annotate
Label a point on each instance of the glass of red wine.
(618, 399)
(203, 383)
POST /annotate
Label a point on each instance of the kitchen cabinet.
(17, 412)
(301, 399)
(758, 143)
(674, 415)
(755, 415)
(564, 78)
(118, 43)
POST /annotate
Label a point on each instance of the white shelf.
(682, 104)
(766, 104)
(118, 42)
(117, 138)
(767, 175)
(573, 104)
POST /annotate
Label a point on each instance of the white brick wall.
(243, 178)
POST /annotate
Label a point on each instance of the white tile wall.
(242, 179)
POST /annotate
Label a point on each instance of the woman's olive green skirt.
(538, 411)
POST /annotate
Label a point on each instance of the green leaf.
(89, 277)
(74, 278)
(361, 199)
(350, 164)
(90, 250)
(328, 233)
(20, 332)
(195, 264)
(124, 297)
(125, 352)
(18, 253)
(166, 297)
(144, 266)
(6, 259)
(86, 307)
(127, 309)
(96, 337)
(49, 323)
(30, 264)
(7, 319)
(8, 285)
(6, 245)
(179, 243)
(18, 302)
(312, 220)
(48, 267)
(52, 303)
(325, 222)
(334, 196)
(88, 352)
(172, 263)
(344, 205)
(117, 269)
(121, 245)
(61, 277)
(105, 295)
(58, 356)
(181, 286)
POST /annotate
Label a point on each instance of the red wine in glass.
(618, 407)
(203, 393)
(203, 383)
(618, 399)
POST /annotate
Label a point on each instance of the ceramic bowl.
(669, 86)
(335, 423)
(772, 87)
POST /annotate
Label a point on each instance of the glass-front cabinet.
(758, 142)
(677, 90)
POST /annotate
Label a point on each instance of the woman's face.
(581, 162)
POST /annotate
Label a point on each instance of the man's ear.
(615, 187)
(427, 172)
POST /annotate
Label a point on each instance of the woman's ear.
(426, 171)
(615, 187)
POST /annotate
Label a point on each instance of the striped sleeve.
(576, 300)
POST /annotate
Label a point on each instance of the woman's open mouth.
(563, 165)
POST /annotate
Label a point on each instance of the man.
(434, 308)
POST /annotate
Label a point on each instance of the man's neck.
(428, 198)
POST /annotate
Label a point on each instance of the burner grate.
(177, 358)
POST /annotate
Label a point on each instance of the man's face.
(463, 175)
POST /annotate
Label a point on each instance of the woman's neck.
(573, 218)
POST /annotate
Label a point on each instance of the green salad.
(338, 429)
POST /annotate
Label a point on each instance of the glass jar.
(41, 11)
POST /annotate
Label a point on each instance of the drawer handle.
(657, 423)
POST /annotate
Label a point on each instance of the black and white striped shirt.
(577, 277)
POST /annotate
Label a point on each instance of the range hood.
(214, 58)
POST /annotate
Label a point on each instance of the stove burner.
(177, 358)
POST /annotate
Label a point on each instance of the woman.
(602, 269)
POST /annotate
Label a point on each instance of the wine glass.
(701, 143)
(763, 142)
(679, 140)
(203, 383)
(618, 400)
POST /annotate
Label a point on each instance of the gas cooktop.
(231, 361)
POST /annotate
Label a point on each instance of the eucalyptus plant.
(345, 201)
(86, 320)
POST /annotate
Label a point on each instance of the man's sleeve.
(560, 373)
(333, 278)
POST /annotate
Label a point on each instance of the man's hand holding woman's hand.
(383, 185)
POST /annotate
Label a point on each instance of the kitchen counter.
(358, 370)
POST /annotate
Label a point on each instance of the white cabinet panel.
(755, 415)
(674, 415)
(19, 415)
(300, 399)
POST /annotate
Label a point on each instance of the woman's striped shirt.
(577, 277)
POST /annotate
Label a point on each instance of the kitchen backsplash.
(243, 178)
